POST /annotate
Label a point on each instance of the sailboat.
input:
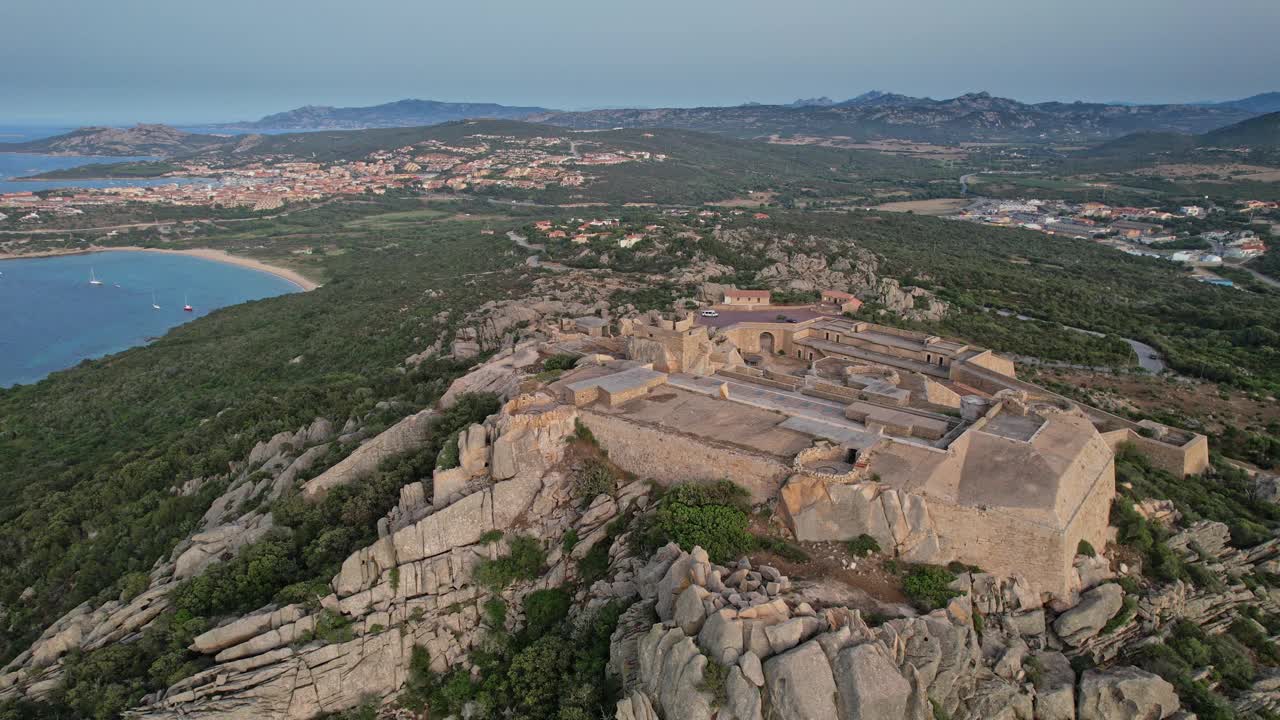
(186, 306)
(93, 280)
(153, 300)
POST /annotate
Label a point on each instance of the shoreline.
(293, 276)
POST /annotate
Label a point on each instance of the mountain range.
(975, 117)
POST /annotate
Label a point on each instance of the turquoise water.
(51, 318)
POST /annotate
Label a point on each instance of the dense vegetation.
(88, 457)
(553, 668)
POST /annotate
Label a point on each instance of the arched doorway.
(766, 343)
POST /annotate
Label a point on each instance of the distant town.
(485, 161)
(1133, 230)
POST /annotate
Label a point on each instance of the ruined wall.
(669, 457)
(1189, 459)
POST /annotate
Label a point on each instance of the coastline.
(303, 282)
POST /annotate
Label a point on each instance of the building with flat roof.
(746, 297)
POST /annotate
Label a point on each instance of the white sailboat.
(92, 279)
(153, 300)
(186, 305)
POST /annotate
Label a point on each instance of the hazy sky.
(122, 61)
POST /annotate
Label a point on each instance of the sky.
(69, 62)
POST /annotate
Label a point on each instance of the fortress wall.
(1189, 459)
(1003, 544)
(1006, 544)
(670, 457)
(1181, 460)
(1093, 515)
(994, 363)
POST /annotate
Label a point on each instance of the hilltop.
(401, 113)
(1268, 102)
(1257, 136)
(141, 139)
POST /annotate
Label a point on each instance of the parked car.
(710, 313)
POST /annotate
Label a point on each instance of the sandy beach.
(207, 253)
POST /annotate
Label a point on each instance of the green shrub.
(331, 628)
(1256, 638)
(862, 546)
(307, 592)
(524, 561)
(1086, 549)
(491, 536)
(544, 609)
(562, 362)
(781, 548)
(595, 477)
(595, 564)
(926, 586)
(1034, 669)
(569, 540)
(713, 516)
(449, 457)
(132, 585)
(583, 433)
(715, 677)
(495, 612)
(1122, 617)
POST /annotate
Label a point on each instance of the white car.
(710, 313)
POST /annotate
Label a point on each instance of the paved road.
(1267, 279)
(1149, 358)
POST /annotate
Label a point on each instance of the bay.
(51, 318)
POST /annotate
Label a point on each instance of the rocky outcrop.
(501, 375)
(203, 549)
(1086, 619)
(821, 509)
(1125, 692)
(808, 270)
(409, 434)
(415, 585)
(783, 659)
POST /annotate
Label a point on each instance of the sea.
(16, 165)
(51, 318)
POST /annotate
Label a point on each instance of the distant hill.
(1260, 103)
(402, 113)
(158, 140)
(879, 115)
(1260, 136)
(1259, 133)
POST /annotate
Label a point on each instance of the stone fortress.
(929, 445)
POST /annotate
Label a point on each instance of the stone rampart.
(670, 457)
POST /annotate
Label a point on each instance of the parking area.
(732, 317)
